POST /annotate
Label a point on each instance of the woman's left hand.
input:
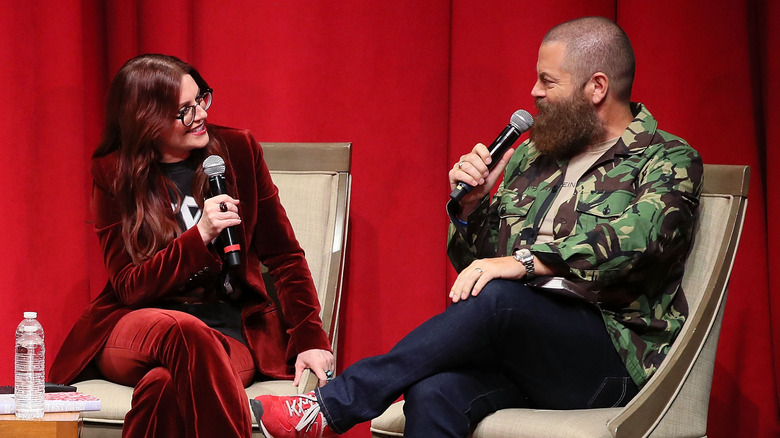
(319, 361)
(219, 212)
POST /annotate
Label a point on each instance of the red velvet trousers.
(189, 379)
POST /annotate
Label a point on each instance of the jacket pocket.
(510, 206)
(603, 204)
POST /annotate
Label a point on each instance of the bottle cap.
(29, 315)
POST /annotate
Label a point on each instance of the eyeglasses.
(187, 114)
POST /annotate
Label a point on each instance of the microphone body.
(520, 122)
(227, 242)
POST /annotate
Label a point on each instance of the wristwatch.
(525, 257)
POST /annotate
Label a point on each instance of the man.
(569, 288)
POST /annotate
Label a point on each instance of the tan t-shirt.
(577, 167)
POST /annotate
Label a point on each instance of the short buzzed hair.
(596, 44)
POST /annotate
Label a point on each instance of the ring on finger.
(329, 374)
(479, 270)
(223, 206)
(460, 164)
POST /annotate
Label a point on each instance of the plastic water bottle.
(29, 368)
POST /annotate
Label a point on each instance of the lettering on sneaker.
(295, 416)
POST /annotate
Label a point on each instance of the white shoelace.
(308, 416)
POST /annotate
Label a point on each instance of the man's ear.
(597, 87)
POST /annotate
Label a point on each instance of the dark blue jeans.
(510, 346)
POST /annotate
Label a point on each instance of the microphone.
(227, 242)
(520, 122)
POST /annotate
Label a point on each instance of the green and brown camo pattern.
(620, 241)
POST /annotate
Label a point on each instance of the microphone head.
(521, 120)
(214, 165)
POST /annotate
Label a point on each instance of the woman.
(173, 320)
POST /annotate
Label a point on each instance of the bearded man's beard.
(563, 130)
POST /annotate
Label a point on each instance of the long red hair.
(142, 101)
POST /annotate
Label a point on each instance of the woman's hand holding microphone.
(219, 212)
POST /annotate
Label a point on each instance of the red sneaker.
(293, 416)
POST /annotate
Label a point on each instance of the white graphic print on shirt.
(190, 212)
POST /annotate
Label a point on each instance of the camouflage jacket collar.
(639, 133)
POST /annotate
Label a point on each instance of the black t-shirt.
(208, 300)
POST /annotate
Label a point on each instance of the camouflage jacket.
(620, 242)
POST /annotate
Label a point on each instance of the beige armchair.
(314, 187)
(675, 400)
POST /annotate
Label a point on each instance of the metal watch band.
(525, 257)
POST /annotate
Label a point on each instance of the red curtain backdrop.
(413, 85)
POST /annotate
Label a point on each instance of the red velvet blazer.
(273, 339)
